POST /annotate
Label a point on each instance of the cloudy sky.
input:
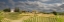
(40, 5)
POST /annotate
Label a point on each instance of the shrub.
(54, 12)
(24, 11)
(7, 10)
(16, 9)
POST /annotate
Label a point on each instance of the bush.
(7, 10)
(24, 11)
(60, 13)
(54, 12)
(16, 9)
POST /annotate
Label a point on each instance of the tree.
(7, 10)
(16, 9)
(54, 12)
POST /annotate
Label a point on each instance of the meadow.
(29, 17)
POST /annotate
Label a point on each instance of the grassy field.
(41, 19)
(45, 19)
(30, 17)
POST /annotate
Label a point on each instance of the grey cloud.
(2, 5)
(39, 5)
(62, 6)
(12, 3)
(36, 5)
(50, 1)
(63, 1)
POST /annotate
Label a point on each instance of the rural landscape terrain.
(34, 16)
(31, 10)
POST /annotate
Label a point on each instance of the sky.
(39, 5)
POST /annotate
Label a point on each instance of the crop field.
(30, 17)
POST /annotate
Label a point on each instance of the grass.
(5, 20)
(41, 19)
(13, 16)
(36, 18)
(46, 19)
(60, 18)
(1, 16)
